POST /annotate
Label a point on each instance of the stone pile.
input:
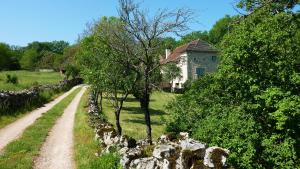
(168, 152)
(12, 100)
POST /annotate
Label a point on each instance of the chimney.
(168, 52)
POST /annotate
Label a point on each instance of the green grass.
(85, 144)
(132, 118)
(20, 153)
(26, 79)
(11, 117)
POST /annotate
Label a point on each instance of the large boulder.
(215, 157)
(191, 152)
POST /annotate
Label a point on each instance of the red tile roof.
(196, 46)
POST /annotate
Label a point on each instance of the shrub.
(11, 79)
(251, 106)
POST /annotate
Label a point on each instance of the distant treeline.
(60, 54)
(36, 55)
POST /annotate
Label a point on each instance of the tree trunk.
(171, 89)
(119, 128)
(100, 101)
(144, 102)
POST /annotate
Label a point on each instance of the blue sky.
(24, 21)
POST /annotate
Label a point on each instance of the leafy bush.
(11, 79)
(252, 104)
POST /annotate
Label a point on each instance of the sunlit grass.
(85, 146)
(27, 79)
(132, 118)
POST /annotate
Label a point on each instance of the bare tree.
(147, 31)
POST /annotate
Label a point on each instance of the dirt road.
(15, 129)
(57, 151)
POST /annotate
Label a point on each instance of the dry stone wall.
(168, 152)
(13, 100)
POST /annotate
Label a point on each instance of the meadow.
(27, 79)
(132, 118)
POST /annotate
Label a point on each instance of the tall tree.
(110, 60)
(146, 31)
(220, 28)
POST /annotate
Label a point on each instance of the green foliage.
(193, 36)
(168, 43)
(213, 36)
(171, 72)
(279, 5)
(72, 71)
(9, 57)
(251, 105)
(29, 60)
(11, 79)
(44, 55)
(106, 64)
(220, 29)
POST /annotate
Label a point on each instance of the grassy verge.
(85, 144)
(26, 79)
(20, 153)
(132, 118)
(11, 117)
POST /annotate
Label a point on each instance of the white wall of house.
(183, 64)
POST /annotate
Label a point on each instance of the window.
(200, 72)
(214, 58)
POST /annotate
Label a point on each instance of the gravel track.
(15, 129)
(57, 151)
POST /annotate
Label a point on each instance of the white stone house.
(195, 59)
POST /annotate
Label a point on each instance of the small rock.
(215, 157)
(163, 139)
(184, 135)
(164, 151)
(123, 150)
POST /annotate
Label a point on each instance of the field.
(132, 118)
(26, 79)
